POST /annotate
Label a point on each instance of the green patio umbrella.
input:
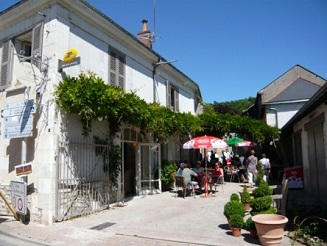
(233, 141)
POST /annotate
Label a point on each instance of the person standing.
(265, 166)
(251, 163)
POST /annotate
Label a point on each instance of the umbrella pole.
(206, 177)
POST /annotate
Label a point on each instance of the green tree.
(233, 107)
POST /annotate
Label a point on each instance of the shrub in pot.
(269, 225)
(249, 225)
(234, 197)
(245, 198)
(260, 174)
(236, 223)
(262, 190)
(233, 207)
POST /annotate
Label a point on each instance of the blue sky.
(230, 48)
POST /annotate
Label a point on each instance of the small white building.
(67, 177)
(277, 102)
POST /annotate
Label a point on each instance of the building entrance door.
(148, 169)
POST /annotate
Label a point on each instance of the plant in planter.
(250, 226)
(269, 225)
(245, 198)
(233, 207)
(234, 197)
(262, 190)
(236, 223)
(260, 174)
(262, 201)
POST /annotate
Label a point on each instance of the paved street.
(158, 219)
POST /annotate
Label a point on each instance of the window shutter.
(37, 41)
(112, 68)
(177, 100)
(168, 93)
(121, 72)
(6, 64)
(116, 69)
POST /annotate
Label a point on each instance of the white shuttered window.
(116, 68)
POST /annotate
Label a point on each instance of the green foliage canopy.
(88, 96)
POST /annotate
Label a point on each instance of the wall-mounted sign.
(18, 196)
(17, 119)
(62, 64)
(70, 55)
(23, 169)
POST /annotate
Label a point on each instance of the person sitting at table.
(216, 175)
(200, 172)
(180, 170)
(187, 174)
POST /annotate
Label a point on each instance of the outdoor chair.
(219, 181)
(179, 183)
(234, 174)
(173, 175)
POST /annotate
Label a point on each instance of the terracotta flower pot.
(270, 228)
(253, 233)
(236, 231)
(247, 206)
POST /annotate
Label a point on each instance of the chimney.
(145, 34)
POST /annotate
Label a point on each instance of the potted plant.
(245, 198)
(270, 228)
(234, 197)
(260, 174)
(233, 207)
(249, 225)
(236, 223)
(269, 225)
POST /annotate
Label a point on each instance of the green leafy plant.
(234, 197)
(245, 195)
(312, 230)
(91, 99)
(260, 174)
(168, 167)
(262, 190)
(262, 205)
(310, 223)
(249, 225)
(233, 207)
(236, 221)
(111, 159)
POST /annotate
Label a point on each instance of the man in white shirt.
(265, 166)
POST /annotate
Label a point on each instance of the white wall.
(299, 126)
(284, 113)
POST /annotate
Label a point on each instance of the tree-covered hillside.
(231, 107)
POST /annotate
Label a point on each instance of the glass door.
(148, 169)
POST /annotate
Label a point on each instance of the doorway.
(129, 169)
(148, 170)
